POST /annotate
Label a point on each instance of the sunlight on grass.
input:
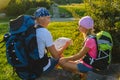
(76, 10)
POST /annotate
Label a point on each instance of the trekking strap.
(100, 52)
(99, 56)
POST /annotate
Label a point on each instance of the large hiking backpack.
(104, 47)
(22, 50)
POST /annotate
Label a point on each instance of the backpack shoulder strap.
(95, 38)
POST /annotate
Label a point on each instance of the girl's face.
(82, 29)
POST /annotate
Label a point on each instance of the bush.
(30, 11)
(16, 8)
(105, 15)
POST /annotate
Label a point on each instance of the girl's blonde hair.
(90, 32)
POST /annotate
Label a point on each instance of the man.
(45, 40)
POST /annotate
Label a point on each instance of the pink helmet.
(86, 22)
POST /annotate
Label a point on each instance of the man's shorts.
(54, 62)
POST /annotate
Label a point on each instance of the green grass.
(74, 10)
(67, 29)
(5, 19)
(58, 29)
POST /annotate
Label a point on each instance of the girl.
(77, 62)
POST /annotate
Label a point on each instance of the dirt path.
(63, 19)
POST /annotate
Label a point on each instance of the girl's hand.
(64, 60)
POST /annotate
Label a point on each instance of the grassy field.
(58, 29)
(73, 10)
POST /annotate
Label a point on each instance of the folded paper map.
(60, 42)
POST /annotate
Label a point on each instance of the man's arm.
(57, 53)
